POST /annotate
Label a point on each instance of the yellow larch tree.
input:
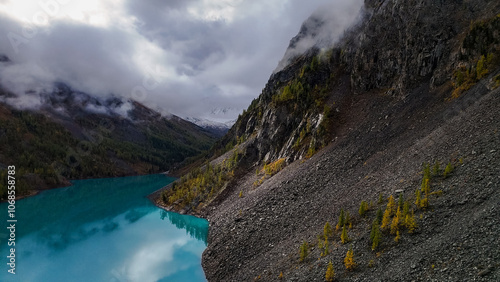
(395, 222)
(330, 273)
(410, 222)
(397, 236)
(391, 205)
(386, 219)
(349, 262)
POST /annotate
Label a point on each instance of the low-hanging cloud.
(323, 28)
(181, 57)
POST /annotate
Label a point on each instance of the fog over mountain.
(181, 57)
(323, 28)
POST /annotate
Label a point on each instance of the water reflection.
(195, 228)
(104, 230)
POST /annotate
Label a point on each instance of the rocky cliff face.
(394, 92)
(401, 44)
(396, 46)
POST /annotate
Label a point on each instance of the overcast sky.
(186, 57)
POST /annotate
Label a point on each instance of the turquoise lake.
(103, 230)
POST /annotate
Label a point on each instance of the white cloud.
(326, 25)
(215, 10)
(46, 12)
(125, 254)
(204, 54)
(147, 263)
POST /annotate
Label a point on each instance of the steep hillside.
(260, 233)
(73, 135)
(413, 82)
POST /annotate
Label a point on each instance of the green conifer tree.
(363, 207)
(327, 230)
(427, 171)
(348, 219)
(380, 198)
(326, 248)
(436, 169)
(343, 237)
(372, 232)
(380, 215)
(341, 220)
(418, 198)
(304, 252)
(320, 242)
(406, 209)
(426, 187)
(377, 236)
(448, 170)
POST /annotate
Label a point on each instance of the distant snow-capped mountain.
(215, 127)
(224, 114)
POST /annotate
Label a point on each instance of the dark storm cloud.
(188, 57)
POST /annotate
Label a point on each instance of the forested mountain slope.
(74, 135)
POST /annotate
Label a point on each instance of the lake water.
(103, 230)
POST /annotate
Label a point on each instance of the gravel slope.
(379, 150)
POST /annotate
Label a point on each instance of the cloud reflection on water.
(137, 244)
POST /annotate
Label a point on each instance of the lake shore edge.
(155, 198)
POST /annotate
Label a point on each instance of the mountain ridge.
(73, 135)
(219, 129)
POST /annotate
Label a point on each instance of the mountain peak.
(4, 58)
(217, 128)
(322, 29)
